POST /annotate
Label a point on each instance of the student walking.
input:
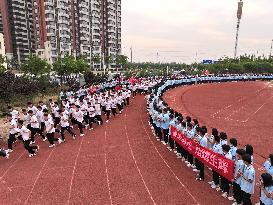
(35, 127)
(65, 126)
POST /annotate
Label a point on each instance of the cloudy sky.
(192, 30)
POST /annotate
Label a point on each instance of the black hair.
(171, 116)
(21, 122)
(188, 119)
(204, 128)
(247, 158)
(39, 107)
(271, 159)
(189, 125)
(195, 121)
(249, 149)
(267, 179)
(9, 107)
(233, 141)
(184, 124)
(203, 131)
(30, 111)
(241, 152)
(9, 115)
(214, 132)
(217, 138)
(225, 147)
(223, 136)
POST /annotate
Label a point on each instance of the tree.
(2, 62)
(36, 66)
(122, 61)
(96, 59)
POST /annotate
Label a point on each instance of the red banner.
(217, 162)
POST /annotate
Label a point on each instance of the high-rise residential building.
(2, 48)
(52, 28)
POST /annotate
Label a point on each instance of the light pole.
(239, 17)
(270, 55)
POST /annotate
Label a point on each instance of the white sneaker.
(179, 157)
(193, 166)
(231, 198)
(59, 140)
(52, 145)
(195, 170)
(44, 139)
(7, 155)
(91, 128)
(175, 151)
(218, 189)
(235, 203)
(30, 155)
(37, 150)
(213, 186)
(81, 135)
(189, 165)
(73, 137)
(10, 150)
(224, 195)
(107, 121)
(212, 182)
(158, 139)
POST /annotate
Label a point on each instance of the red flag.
(132, 80)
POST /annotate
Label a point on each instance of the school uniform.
(268, 167)
(224, 182)
(91, 115)
(128, 94)
(171, 141)
(40, 118)
(119, 103)
(79, 119)
(165, 126)
(12, 133)
(246, 186)
(237, 192)
(108, 109)
(35, 128)
(50, 130)
(98, 113)
(65, 126)
(264, 200)
(24, 135)
(113, 106)
(56, 116)
(204, 143)
(217, 148)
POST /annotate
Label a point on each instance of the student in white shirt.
(25, 137)
(107, 108)
(90, 115)
(65, 126)
(79, 119)
(55, 111)
(97, 108)
(40, 117)
(35, 127)
(26, 118)
(4, 153)
(32, 108)
(248, 180)
(12, 131)
(225, 183)
(239, 167)
(119, 102)
(217, 148)
(50, 130)
(43, 106)
(13, 112)
(204, 143)
(266, 186)
(113, 105)
(128, 94)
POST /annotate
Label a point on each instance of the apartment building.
(2, 48)
(52, 28)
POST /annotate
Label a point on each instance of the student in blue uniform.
(248, 180)
(266, 186)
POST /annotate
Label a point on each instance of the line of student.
(80, 108)
(162, 117)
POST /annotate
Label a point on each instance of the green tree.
(36, 66)
(2, 62)
(122, 61)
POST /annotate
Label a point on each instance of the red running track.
(118, 163)
(242, 109)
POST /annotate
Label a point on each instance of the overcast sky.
(192, 30)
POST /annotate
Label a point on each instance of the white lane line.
(106, 171)
(140, 174)
(257, 110)
(73, 172)
(7, 170)
(240, 100)
(187, 190)
(35, 182)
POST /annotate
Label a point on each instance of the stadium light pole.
(239, 17)
(270, 55)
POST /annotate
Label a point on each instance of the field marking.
(38, 176)
(73, 172)
(187, 190)
(133, 156)
(238, 101)
(106, 171)
(12, 165)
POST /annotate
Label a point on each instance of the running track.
(117, 163)
(242, 109)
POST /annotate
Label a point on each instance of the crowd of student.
(162, 117)
(81, 108)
